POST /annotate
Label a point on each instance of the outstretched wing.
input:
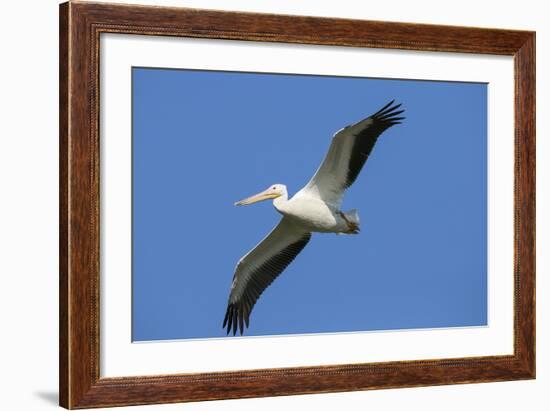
(257, 270)
(347, 154)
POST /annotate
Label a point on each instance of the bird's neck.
(280, 202)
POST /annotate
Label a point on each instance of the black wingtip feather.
(386, 117)
(238, 311)
(229, 316)
(386, 111)
(241, 325)
(236, 316)
(391, 114)
(383, 108)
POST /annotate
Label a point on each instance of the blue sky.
(202, 140)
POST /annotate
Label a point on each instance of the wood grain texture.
(80, 27)
(63, 205)
(525, 203)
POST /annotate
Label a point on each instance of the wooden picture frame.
(80, 27)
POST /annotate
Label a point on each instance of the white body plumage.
(313, 214)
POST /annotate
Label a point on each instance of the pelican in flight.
(315, 208)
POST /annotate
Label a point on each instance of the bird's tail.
(352, 216)
(352, 221)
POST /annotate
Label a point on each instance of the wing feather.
(259, 268)
(348, 152)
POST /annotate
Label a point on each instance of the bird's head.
(273, 191)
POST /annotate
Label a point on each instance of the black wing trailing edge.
(239, 307)
(380, 121)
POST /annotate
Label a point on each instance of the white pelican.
(315, 208)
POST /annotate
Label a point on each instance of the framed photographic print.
(398, 247)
